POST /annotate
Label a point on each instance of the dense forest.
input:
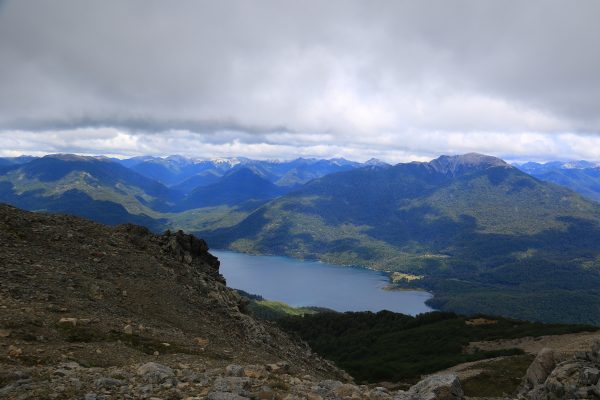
(388, 346)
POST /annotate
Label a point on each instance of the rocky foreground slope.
(92, 312)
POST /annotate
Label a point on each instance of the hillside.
(84, 300)
(91, 187)
(234, 188)
(109, 192)
(485, 236)
(161, 193)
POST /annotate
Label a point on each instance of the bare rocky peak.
(460, 164)
(75, 157)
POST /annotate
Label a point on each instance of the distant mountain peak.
(375, 162)
(226, 161)
(459, 164)
(75, 157)
(581, 164)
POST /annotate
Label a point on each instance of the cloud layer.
(274, 79)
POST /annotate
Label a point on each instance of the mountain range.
(155, 192)
(582, 177)
(186, 174)
(482, 235)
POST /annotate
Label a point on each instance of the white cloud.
(274, 79)
(391, 147)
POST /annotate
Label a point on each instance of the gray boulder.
(540, 368)
(154, 372)
(576, 378)
(434, 387)
(233, 384)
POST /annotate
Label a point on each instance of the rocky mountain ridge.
(466, 163)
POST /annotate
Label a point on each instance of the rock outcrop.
(540, 368)
(575, 378)
(434, 387)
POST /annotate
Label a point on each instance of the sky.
(396, 80)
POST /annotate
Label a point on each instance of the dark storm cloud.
(354, 78)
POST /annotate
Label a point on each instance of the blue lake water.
(312, 283)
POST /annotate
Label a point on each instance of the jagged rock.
(378, 393)
(67, 321)
(234, 384)
(62, 372)
(188, 248)
(330, 385)
(576, 378)
(154, 372)
(594, 354)
(234, 370)
(347, 391)
(569, 380)
(14, 351)
(281, 367)
(255, 371)
(104, 383)
(590, 376)
(434, 387)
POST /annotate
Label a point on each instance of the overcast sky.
(397, 80)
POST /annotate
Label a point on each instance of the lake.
(313, 283)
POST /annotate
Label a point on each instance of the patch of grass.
(500, 377)
(81, 334)
(148, 345)
(273, 310)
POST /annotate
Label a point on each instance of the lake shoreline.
(314, 283)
